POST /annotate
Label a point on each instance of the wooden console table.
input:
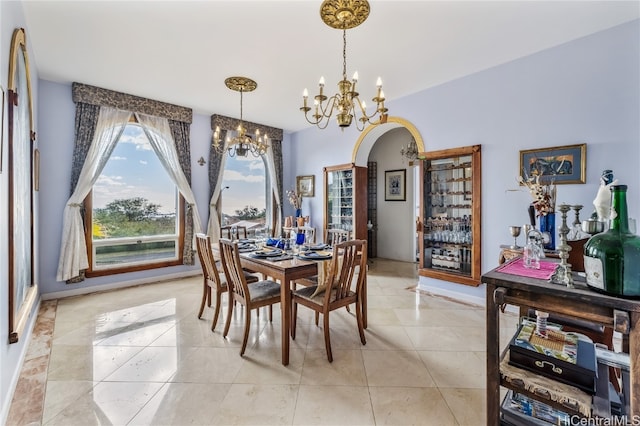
(580, 302)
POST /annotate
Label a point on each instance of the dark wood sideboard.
(579, 302)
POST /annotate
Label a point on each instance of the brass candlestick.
(562, 274)
(576, 209)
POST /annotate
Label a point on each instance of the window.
(245, 185)
(135, 210)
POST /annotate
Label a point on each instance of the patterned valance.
(105, 97)
(228, 123)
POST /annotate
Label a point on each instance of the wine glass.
(515, 232)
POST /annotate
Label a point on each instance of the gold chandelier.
(241, 144)
(344, 15)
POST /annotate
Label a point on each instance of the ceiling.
(182, 51)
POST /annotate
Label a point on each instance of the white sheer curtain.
(159, 133)
(73, 249)
(276, 209)
(213, 225)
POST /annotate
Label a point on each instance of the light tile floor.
(139, 356)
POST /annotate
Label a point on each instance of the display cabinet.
(345, 199)
(449, 222)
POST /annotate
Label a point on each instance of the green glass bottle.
(612, 258)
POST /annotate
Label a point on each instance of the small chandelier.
(344, 15)
(241, 144)
(411, 150)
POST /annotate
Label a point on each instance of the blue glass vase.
(298, 212)
(548, 224)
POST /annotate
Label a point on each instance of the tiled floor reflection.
(140, 356)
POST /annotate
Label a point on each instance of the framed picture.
(562, 164)
(306, 185)
(395, 185)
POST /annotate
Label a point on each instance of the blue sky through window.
(245, 177)
(134, 170)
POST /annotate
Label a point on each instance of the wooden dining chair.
(338, 289)
(336, 236)
(233, 232)
(331, 237)
(212, 277)
(254, 296)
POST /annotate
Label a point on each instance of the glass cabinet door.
(450, 216)
(345, 201)
(340, 199)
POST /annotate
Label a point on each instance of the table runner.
(516, 267)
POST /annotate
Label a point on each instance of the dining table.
(286, 269)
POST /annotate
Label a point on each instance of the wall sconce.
(201, 161)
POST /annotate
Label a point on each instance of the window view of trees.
(251, 213)
(134, 216)
(131, 217)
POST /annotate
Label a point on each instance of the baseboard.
(459, 292)
(118, 285)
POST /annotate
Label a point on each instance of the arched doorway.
(394, 231)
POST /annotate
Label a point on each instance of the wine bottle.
(612, 258)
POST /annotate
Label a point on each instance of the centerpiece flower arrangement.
(544, 203)
(295, 200)
(544, 195)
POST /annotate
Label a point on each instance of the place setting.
(245, 246)
(315, 254)
(271, 254)
(317, 247)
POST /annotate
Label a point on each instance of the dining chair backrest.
(233, 232)
(207, 260)
(230, 257)
(349, 257)
(336, 236)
